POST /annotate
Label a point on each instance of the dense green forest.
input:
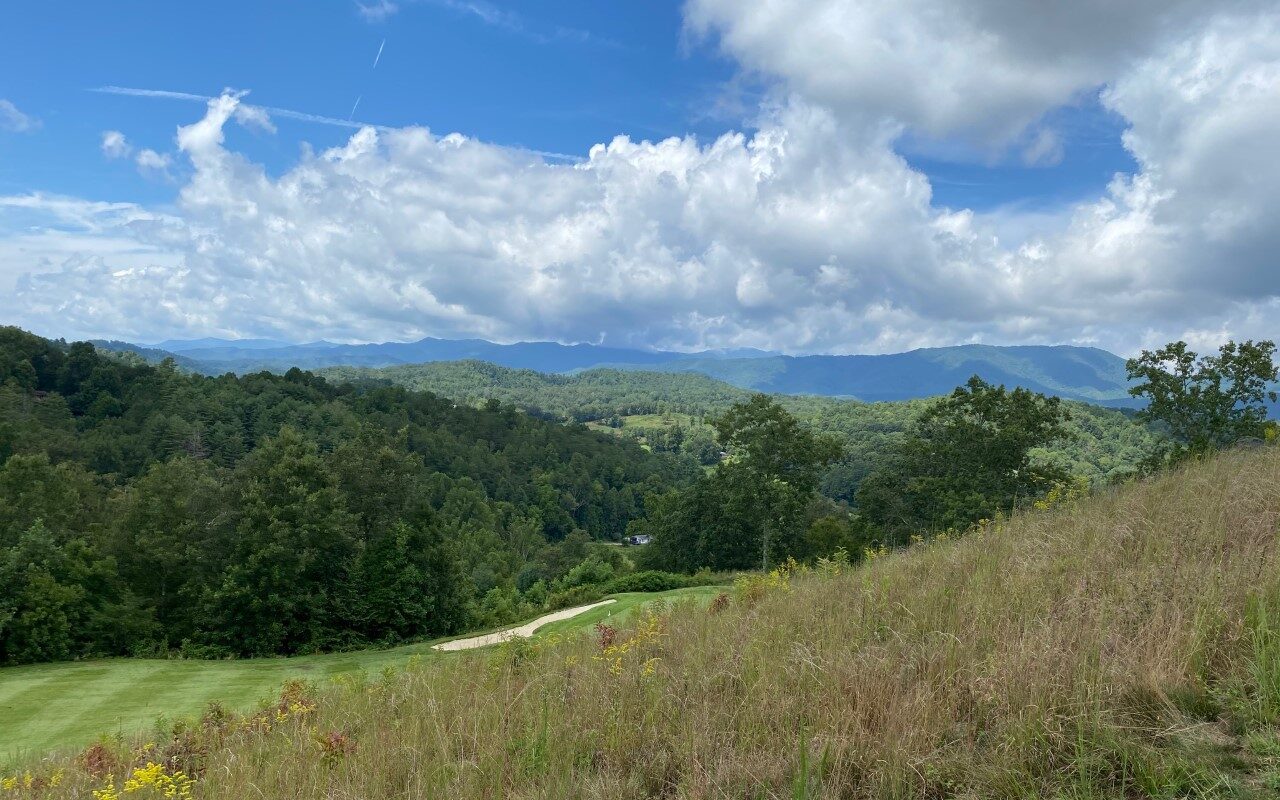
(147, 510)
(669, 412)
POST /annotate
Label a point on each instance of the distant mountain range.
(1076, 373)
(251, 355)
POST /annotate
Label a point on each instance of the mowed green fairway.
(46, 707)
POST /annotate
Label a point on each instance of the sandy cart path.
(523, 631)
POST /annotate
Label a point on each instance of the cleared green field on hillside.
(46, 707)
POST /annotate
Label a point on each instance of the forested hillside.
(588, 396)
(143, 509)
(148, 509)
(668, 411)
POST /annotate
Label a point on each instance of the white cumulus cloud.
(149, 160)
(980, 68)
(115, 145)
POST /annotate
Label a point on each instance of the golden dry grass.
(1127, 645)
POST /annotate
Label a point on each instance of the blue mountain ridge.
(1077, 373)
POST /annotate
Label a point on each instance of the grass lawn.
(626, 605)
(642, 422)
(45, 707)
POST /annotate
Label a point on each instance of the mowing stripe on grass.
(67, 705)
(165, 691)
(93, 701)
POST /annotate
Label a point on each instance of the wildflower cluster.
(171, 769)
(636, 648)
(151, 780)
(30, 783)
(1064, 493)
(834, 564)
(753, 588)
(870, 554)
(295, 702)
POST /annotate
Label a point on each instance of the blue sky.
(800, 175)
(553, 76)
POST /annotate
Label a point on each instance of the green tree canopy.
(1211, 401)
(751, 510)
(966, 458)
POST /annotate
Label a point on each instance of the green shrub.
(650, 580)
(574, 596)
(592, 570)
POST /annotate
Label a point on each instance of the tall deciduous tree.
(1207, 402)
(773, 470)
(406, 583)
(293, 542)
(161, 534)
(751, 511)
(968, 457)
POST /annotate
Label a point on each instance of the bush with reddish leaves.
(607, 634)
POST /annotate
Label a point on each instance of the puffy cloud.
(254, 117)
(810, 234)
(1204, 115)
(980, 68)
(11, 119)
(115, 145)
(405, 233)
(377, 11)
(1185, 246)
(150, 161)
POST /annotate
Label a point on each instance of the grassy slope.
(1125, 646)
(1113, 648)
(48, 706)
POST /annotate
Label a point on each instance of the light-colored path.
(522, 631)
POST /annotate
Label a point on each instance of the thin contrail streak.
(354, 107)
(301, 116)
(378, 57)
(150, 93)
(286, 113)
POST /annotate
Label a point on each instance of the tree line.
(144, 510)
(968, 457)
(671, 412)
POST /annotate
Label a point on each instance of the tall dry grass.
(1125, 646)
